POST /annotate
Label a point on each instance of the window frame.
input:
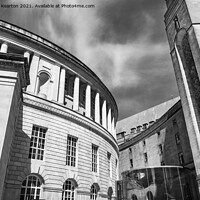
(160, 146)
(109, 164)
(30, 188)
(181, 158)
(131, 163)
(68, 194)
(35, 138)
(71, 151)
(95, 158)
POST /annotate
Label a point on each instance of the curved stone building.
(59, 140)
(161, 146)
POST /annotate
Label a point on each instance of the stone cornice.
(66, 113)
(13, 62)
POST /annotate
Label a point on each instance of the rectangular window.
(181, 159)
(116, 167)
(176, 24)
(38, 135)
(71, 151)
(133, 130)
(145, 158)
(131, 163)
(145, 126)
(162, 163)
(94, 158)
(177, 138)
(160, 148)
(109, 164)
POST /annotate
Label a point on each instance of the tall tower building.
(182, 21)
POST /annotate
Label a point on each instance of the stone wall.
(163, 132)
(53, 168)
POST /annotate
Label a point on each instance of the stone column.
(4, 47)
(113, 127)
(104, 115)
(56, 78)
(109, 120)
(13, 77)
(76, 93)
(97, 108)
(62, 85)
(33, 74)
(27, 55)
(88, 101)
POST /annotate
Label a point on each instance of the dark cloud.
(104, 67)
(157, 84)
(114, 22)
(125, 21)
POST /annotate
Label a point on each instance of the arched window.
(31, 188)
(43, 84)
(93, 192)
(68, 190)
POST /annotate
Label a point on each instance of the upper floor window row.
(37, 148)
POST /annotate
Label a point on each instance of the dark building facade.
(161, 149)
(182, 21)
(174, 139)
(57, 123)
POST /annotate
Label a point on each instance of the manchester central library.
(60, 134)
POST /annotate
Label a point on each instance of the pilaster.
(88, 101)
(76, 93)
(109, 120)
(56, 77)
(27, 55)
(33, 74)
(62, 85)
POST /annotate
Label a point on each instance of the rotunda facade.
(64, 143)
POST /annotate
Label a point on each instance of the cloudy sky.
(122, 41)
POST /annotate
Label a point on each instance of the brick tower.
(182, 21)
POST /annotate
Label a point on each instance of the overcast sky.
(122, 41)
